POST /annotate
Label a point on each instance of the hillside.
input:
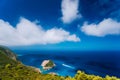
(7, 57)
(12, 69)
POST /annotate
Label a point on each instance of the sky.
(60, 24)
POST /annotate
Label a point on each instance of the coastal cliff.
(12, 69)
(6, 51)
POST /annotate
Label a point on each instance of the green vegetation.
(8, 53)
(4, 59)
(11, 69)
(21, 72)
(50, 64)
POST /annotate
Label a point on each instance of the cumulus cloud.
(69, 10)
(105, 27)
(28, 33)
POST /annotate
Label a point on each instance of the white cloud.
(70, 10)
(28, 33)
(106, 27)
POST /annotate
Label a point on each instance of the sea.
(100, 63)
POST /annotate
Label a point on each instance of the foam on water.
(67, 63)
(68, 66)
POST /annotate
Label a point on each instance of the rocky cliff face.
(10, 69)
(8, 53)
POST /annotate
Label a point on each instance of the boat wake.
(68, 66)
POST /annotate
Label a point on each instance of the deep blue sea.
(68, 62)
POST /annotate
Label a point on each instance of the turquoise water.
(68, 62)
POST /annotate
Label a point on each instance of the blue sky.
(60, 24)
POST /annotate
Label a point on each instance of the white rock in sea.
(47, 64)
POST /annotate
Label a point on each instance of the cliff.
(12, 69)
(8, 52)
(7, 57)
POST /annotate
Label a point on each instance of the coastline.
(84, 63)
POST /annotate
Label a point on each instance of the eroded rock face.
(53, 73)
(36, 69)
(47, 64)
(8, 53)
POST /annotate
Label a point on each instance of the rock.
(53, 73)
(37, 70)
(47, 64)
(8, 53)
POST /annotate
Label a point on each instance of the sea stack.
(47, 64)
